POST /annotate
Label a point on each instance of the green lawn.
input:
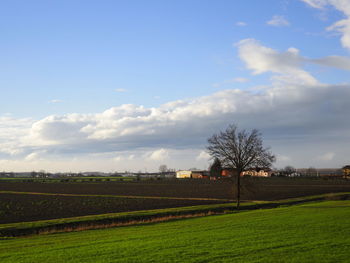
(313, 232)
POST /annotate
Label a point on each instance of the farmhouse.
(346, 170)
(226, 172)
(192, 174)
(260, 172)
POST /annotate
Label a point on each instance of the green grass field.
(313, 232)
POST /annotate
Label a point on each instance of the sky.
(131, 85)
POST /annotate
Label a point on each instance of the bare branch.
(240, 150)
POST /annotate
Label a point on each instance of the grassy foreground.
(313, 232)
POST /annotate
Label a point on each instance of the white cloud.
(294, 112)
(316, 3)
(329, 156)
(118, 158)
(12, 132)
(288, 65)
(240, 23)
(263, 59)
(32, 157)
(121, 90)
(58, 129)
(10, 149)
(332, 61)
(203, 155)
(341, 5)
(278, 20)
(159, 155)
(131, 157)
(183, 124)
(288, 115)
(12, 128)
(341, 26)
(123, 157)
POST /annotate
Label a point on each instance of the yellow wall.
(183, 174)
(346, 171)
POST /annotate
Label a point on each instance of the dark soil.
(281, 188)
(29, 207)
(252, 188)
(163, 188)
(26, 207)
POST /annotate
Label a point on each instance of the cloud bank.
(341, 26)
(295, 111)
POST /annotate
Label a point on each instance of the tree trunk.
(238, 189)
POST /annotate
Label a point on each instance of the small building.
(259, 172)
(200, 174)
(192, 174)
(346, 170)
(230, 172)
(183, 174)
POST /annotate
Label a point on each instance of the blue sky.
(67, 67)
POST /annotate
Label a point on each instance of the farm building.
(229, 172)
(200, 174)
(331, 173)
(258, 172)
(191, 174)
(183, 174)
(346, 170)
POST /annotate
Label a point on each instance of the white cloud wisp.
(341, 26)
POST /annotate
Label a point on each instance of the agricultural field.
(311, 232)
(32, 201)
(158, 188)
(252, 188)
(17, 207)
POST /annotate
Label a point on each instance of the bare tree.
(240, 150)
(311, 171)
(163, 168)
(289, 170)
(215, 168)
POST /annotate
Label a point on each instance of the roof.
(346, 167)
